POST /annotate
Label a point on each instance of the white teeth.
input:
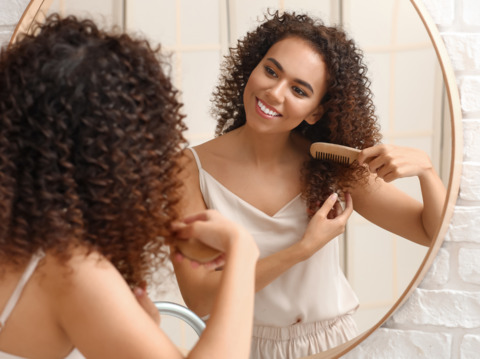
(267, 110)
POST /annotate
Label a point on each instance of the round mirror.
(414, 93)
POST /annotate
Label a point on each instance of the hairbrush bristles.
(335, 153)
(331, 157)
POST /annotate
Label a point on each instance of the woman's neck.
(267, 149)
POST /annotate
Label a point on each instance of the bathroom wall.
(10, 13)
(442, 317)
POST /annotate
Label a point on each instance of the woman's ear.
(315, 115)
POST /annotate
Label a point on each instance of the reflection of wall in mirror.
(106, 12)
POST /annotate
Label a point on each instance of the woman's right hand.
(327, 223)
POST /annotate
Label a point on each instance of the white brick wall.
(400, 344)
(471, 12)
(469, 265)
(471, 151)
(469, 90)
(442, 317)
(442, 11)
(10, 13)
(464, 50)
(441, 308)
(470, 347)
(439, 272)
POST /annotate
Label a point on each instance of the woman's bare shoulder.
(205, 149)
(215, 145)
(62, 277)
(94, 307)
(220, 151)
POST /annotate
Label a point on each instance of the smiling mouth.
(266, 110)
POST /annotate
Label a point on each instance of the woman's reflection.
(291, 82)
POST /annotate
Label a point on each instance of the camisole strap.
(197, 159)
(18, 290)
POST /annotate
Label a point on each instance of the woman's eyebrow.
(301, 82)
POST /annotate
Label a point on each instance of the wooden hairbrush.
(196, 251)
(332, 152)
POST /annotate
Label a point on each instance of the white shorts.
(301, 339)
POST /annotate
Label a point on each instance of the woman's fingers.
(368, 154)
(327, 223)
(201, 216)
(328, 205)
(390, 162)
(146, 303)
(348, 210)
(332, 208)
(207, 231)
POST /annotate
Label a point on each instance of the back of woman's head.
(89, 133)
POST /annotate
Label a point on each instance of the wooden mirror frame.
(37, 8)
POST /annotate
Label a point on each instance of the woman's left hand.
(391, 162)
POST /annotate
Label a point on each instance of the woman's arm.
(390, 208)
(327, 223)
(198, 285)
(231, 317)
(101, 316)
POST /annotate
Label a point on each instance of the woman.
(90, 131)
(291, 82)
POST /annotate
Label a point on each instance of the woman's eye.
(270, 71)
(299, 91)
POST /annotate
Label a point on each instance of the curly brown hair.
(90, 133)
(349, 118)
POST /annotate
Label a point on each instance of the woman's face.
(286, 87)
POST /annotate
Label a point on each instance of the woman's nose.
(276, 93)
